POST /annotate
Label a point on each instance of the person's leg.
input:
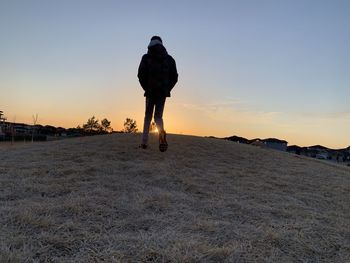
(147, 120)
(158, 117)
(158, 114)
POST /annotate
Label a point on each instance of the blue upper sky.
(250, 68)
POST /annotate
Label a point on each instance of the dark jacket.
(157, 72)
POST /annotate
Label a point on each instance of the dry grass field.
(102, 199)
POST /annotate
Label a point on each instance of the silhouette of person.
(157, 75)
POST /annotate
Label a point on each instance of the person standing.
(157, 75)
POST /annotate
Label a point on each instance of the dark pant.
(158, 104)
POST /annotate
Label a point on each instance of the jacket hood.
(157, 50)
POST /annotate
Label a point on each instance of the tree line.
(94, 126)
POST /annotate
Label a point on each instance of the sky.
(255, 68)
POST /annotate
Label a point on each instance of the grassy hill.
(102, 199)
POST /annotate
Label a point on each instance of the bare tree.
(35, 120)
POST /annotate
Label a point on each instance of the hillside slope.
(102, 198)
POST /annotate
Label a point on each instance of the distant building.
(20, 132)
(271, 143)
(334, 155)
(294, 149)
(276, 144)
(322, 156)
(319, 152)
(2, 134)
(323, 153)
(257, 142)
(2, 121)
(22, 128)
(237, 139)
(316, 151)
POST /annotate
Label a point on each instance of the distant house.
(21, 131)
(22, 128)
(2, 134)
(74, 132)
(346, 157)
(294, 149)
(318, 151)
(2, 121)
(237, 139)
(271, 143)
(61, 132)
(323, 153)
(275, 144)
(322, 156)
(343, 156)
(257, 142)
(334, 155)
(318, 148)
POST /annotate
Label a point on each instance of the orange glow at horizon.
(182, 119)
(185, 126)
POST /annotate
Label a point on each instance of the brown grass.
(101, 199)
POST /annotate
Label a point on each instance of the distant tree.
(106, 125)
(130, 126)
(92, 125)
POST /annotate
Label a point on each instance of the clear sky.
(263, 68)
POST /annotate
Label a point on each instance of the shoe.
(143, 146)
(163, 145)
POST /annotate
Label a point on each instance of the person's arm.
(143, 72)
(173, 73)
